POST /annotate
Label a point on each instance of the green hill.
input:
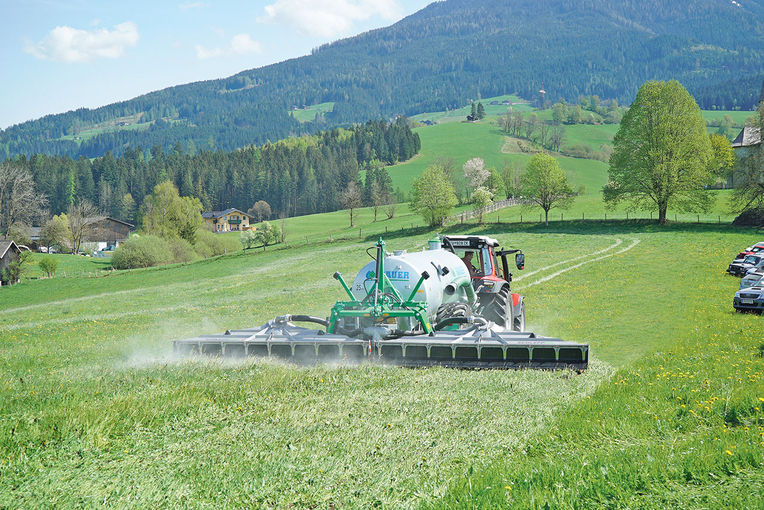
(458, 140)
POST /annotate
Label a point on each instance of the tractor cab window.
(473, 259)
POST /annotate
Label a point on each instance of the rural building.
(748, 140)
(107, 232)
(9, 253)
(228, 220)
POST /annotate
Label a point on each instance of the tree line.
(295, 176)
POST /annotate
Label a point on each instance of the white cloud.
(328, 18)
(67, 44)
(241, 44)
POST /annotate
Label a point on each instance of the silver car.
(753, 279)
(750, 299)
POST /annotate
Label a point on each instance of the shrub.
(182, 250)
(209, 244)
(142, 251)
(48, 265)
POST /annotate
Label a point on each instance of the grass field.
(308, 113)
(460, 114)
(94, 410)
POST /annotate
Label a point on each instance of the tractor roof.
(473, 241)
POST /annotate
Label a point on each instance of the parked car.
(750, 299)
(741, 266)
(752, 279)
(751, 250)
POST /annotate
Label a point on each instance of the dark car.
(741, 266)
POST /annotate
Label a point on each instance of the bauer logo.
(397, 275)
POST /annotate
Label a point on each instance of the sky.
(60, 55)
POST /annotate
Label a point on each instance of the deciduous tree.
(81, 215)
(20, 202)
(481, 198)
(475, 173)
(261, 210)
(433, 196)
(351, 199)
(56, 232)
(168, 215)
(661, 153)
(545, 184)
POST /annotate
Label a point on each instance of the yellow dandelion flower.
(728, 452)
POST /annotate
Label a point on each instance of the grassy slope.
(681, 426)
(461, 141)
(91, 401)
(309, 114)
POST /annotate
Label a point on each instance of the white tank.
(404, 270)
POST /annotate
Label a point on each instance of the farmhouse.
(107, 232)
(9, 253)
(747, 141)
(227, 221)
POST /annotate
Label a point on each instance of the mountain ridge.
(437, 58)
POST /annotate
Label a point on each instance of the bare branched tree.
(19, 201)
(351, 199)
(82, 216)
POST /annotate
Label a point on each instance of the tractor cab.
(483, 258)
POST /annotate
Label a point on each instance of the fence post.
(674, 217)
(627, 215)
(359, 232)
(562, 217)
(330, 237)
(582, 217)
(521, 218)
(720, 220)
(306, 239)
(605, 216)
(698, 218)
(540, 218)
(497, 218)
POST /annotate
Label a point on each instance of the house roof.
(218, 214)
(101, 218)
(5, 245)
(748, 136)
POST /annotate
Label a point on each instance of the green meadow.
(308, 113)
(96, 411)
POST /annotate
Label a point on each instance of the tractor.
(449, 305)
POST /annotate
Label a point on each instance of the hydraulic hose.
(460, 320)
(305, 318)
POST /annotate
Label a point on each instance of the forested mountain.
(434, 59)
(295, 176)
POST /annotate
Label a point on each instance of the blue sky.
(59, 55)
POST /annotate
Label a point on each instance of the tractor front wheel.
(518, 322)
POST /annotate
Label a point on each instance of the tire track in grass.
(634, 242)
(612, 246)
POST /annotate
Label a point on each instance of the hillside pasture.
(308, 113)
(95, 410)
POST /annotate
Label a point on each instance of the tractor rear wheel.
(498, 308)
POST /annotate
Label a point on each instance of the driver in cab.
(467, 259)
